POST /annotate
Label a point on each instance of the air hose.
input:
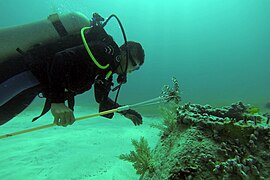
(89, 51)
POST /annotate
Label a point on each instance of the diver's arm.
(67, 64)
(105, 103)
(102, 88)
(57, 75)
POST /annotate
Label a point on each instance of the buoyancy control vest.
(21, 44)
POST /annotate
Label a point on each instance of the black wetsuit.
(67, 73)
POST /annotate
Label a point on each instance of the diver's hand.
(134, 116)
(63, 116)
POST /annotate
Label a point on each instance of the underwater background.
(218, 50)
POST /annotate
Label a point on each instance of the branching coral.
(169, 111)
(169, 115)
(141, 157)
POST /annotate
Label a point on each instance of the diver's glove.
(108, 104)
(134, 116)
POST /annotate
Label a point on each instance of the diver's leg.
(17, 104)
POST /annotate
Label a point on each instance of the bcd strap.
(47, 106)
(58, 25)
(71, 102)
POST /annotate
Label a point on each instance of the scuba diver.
(61, 71)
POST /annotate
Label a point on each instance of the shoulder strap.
(58, 25)
(47, 106)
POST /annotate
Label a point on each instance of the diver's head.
(135, 57)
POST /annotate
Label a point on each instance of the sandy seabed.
(88, 149)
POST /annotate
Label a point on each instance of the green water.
(218, 50)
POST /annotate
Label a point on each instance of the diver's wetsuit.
(68, 73)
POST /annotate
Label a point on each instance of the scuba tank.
(43, 32)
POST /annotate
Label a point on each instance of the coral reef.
(213, 143)
(204, 142)
(169, 116)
